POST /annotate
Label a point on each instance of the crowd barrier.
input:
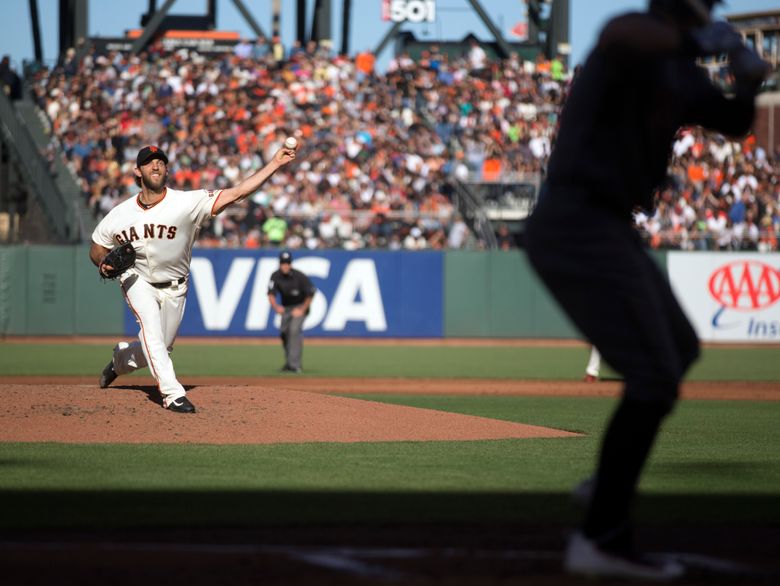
(55, 290)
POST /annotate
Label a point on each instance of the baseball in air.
(290, 142)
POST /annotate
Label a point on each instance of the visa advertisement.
(374, 294)
(729, 297)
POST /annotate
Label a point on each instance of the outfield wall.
(54, 290)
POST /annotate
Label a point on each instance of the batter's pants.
(595, 265)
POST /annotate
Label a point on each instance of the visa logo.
(357, 297)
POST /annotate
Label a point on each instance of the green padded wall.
(497, 295)
(55, 290)
(99, 307)
(13, 290)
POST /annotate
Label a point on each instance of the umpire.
(639, 85)
(296, 293)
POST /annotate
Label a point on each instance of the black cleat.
(182, 405)
(286, 368)
(108, 375)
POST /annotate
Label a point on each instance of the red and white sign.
(520, 30)
(409, 10)
(729, 297)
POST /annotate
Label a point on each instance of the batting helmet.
(685, 10)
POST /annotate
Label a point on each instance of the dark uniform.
(611, 153)
(295, 290)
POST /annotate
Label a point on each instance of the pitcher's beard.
(155, 185)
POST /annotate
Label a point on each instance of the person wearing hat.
(638, 87)
(161, 224)
(296, 292)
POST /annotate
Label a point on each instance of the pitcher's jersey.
(162, 235)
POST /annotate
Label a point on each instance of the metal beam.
(65, 27)
(211, 8)
(387, 38)
(503, 46)
(36, 31)
(151, 27)
(345, 22)
(80, 18)
(250, 20)
(320, 26)
(80, 32)
(300, 22)
(559, 28)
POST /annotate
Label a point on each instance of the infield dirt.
(285, 409)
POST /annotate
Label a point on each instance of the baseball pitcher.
(161, 224)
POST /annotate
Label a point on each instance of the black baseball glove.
(117, 261)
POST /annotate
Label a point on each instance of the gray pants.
(291, 333)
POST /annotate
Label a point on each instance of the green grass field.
(716, 461)
(749, 364)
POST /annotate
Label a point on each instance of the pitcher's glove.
(117, 261)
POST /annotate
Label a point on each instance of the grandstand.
(440, 151)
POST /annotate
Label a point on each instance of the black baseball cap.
(148, 153)
(285, 257)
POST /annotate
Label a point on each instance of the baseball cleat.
(108, 375)
(589, 378)
(585, 558)
(583, 492)
(182, 405)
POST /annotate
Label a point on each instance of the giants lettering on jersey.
(158, 231)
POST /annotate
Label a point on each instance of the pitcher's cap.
(148, 153)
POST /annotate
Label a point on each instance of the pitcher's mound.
(232, 415)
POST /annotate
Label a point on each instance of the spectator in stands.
(261, 49)
(12, 84)
(274, 228)
(243, 49)
(477, 57)
(504, 239)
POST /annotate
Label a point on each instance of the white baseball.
(290, 142)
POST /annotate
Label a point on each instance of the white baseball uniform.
(594, 362)
(155, 288)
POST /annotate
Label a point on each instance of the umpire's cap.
(148, 153)
(285, 257)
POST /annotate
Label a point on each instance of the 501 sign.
(409, 10)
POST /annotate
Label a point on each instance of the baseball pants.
(158, 313)
(595, 265)
(291, 333)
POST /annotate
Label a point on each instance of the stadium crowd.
(379, 150)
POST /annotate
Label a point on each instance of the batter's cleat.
(590, 378)
(583, 492)
(583, 557)
(181, 405)
(108, 375)
(286, 368)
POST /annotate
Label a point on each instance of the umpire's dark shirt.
(621, 117)
(294, 287)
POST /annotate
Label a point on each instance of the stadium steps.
(63, 187)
